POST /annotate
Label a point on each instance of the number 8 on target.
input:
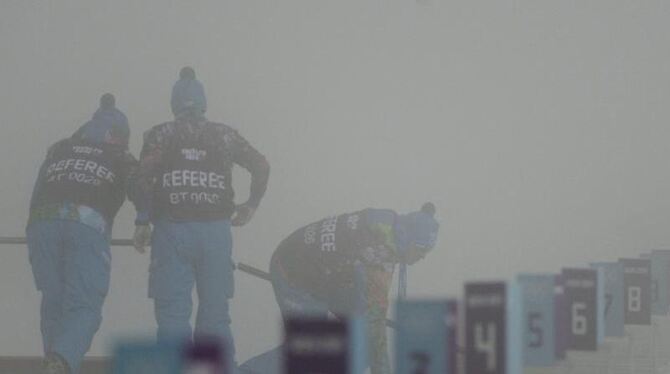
(637, 291)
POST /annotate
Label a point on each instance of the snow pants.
(184, 255)
(291, 300)
(71, 266)
(295, 301)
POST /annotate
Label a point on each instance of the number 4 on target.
(493, 328)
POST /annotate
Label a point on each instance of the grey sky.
(539, 128)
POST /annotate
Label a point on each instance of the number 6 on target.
(585, 298)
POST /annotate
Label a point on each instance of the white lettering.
(176, 178)
(79, 164)
(352, 221)
(166, 180)
(636, 270)
(60, 165)
(86, 150)
(305, 344)
(477, 301)
(69, 163)
(310, 234)
(194, 197)
(91, 168)
(580, 283)
(194, 178)
(328, 228)
(193, 154)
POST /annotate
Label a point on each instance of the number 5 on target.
(537, 294)
(492, 328)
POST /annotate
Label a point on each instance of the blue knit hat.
(108, 125)
(188, 94)
(417, 228)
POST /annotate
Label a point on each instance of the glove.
(142, 237)
(243, 214)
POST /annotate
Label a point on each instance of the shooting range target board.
(613, 312)
(582, 291)
(453, 328)
(537, 294)
(660, 282)
(493, 338)
(660, 303)
(423, 337)
(637, 313)
(637, 291)
(561, 318)
(324, 346)
(661, 330)
(148, 357)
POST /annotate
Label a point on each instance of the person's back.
(80, 187)
(344, 265)
(84, 177)
(186, 164)
(322, 258)
(79, 175)
(184, 183)
(195, 169)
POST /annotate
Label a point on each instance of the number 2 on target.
(421, 361)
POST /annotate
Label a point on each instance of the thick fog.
(538, 128)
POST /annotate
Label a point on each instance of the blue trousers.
(71, 266)
(184, 255)
(292, 302)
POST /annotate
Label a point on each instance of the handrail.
(251, 270)
(22, 240)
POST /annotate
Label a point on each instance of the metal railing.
(245, 268)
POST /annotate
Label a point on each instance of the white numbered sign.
(637, 290)
(148, 357)
(660, 282)
(422, 337)
(613, 310)
(581, 291)
(537, 294)
(492, 328)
